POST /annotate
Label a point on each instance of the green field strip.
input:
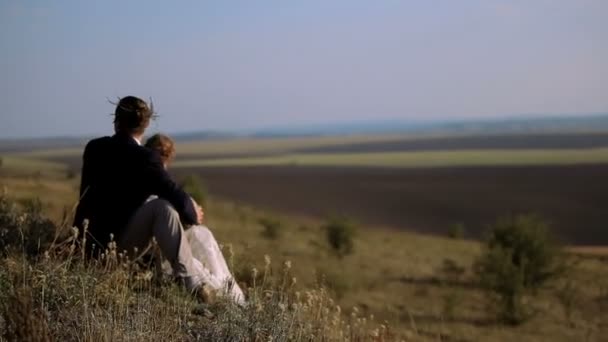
(417, 159)
(237, 145)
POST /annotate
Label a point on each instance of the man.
(118, 176)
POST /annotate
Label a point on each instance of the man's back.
(118, 175)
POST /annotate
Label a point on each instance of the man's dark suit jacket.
(118, 175)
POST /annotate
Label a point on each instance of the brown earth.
(573, 198)
(472, 142)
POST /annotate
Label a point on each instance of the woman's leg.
(206, 249)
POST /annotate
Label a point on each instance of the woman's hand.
(200, 215)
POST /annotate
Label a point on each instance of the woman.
(208, 258)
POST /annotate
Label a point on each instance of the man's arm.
(80, 214)
(164, 187)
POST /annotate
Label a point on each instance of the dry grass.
(408, 279)
(56, 293)
(33, 168)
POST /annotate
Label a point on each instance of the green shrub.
(70, 174)
(272, 227)
(340, 234)
(456, 231)
(519, 258)
(195, 187)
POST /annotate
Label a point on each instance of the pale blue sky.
(233, 65)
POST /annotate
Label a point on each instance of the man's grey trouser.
(157, 218)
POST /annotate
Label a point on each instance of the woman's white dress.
(209, 263)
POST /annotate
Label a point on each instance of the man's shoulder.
(97, 143)
(121, 147)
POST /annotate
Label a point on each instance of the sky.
(245, 65)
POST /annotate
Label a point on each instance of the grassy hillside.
(421, 285)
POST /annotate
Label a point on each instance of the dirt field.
(573, 198)
(475, 142)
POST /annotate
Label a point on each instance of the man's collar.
(128, 137)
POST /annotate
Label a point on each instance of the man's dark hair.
(132, 115)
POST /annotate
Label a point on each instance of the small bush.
(340, 234)
(456, 231)
(519, 258)
(70, 174)
(195, 187)
(272, 227)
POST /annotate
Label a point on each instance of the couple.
(126, 193)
